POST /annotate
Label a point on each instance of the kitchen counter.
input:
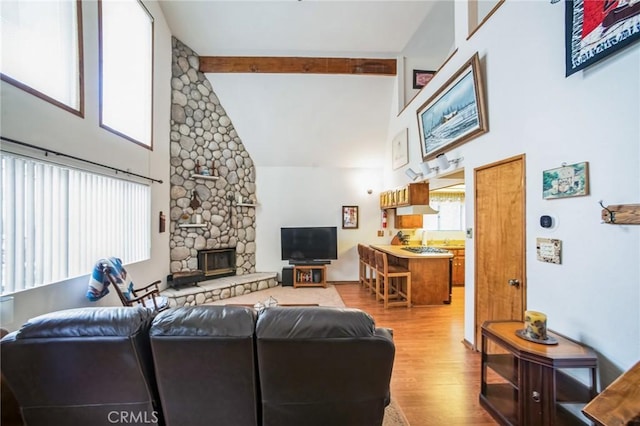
(397, 251)
(430, 273)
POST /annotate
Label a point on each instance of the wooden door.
(500, 286)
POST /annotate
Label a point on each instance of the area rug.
(393, 415)
(288, 295)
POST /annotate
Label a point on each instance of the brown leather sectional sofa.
(202, 365)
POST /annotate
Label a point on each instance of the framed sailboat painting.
(455, 113)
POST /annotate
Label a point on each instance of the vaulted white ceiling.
(296, 28)
(312, 120)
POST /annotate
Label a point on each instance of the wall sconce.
(443, 162)
(412, 175)
(426, 169)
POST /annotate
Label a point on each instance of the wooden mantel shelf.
(297, 65)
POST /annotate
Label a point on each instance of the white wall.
(299, 196)
(429, 47)
(318, 143)
(594, 116)
(32, 120)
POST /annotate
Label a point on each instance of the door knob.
(514, 282)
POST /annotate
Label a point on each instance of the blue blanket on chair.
(99, 281)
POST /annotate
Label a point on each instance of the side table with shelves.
(310, 276)
(528, 383)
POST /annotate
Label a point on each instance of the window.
(58, 221)
(450, 217)
(126, 69)
(479, 12)
(41, 50)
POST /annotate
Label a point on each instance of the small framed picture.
(400, 149)
(566, 181)
(349, 217)
(549, 250)
(421, 78)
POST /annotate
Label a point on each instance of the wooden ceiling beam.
(296, 65)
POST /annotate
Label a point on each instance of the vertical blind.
(58, 221)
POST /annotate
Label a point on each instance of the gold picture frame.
(455, 113)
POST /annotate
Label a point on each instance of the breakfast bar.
(430, 271)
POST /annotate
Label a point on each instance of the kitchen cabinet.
(458, 266)
(528, 383)
(430, 273)
(411, 194)
(411, 221)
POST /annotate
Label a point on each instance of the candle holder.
(535, 328)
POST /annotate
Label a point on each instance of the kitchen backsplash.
(415, 235)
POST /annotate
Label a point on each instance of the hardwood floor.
(436, 378)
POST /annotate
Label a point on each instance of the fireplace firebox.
(216, 263)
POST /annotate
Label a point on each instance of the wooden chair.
(371, 262)
(393, 282)
(363, 266)
(148, 296)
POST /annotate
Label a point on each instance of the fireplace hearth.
(215, 263)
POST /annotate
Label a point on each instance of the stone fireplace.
(216, 263)
(212, 177)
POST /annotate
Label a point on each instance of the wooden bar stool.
(393, 282)
(363, 266)
(371, 261)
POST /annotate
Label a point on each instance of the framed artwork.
(421, 78)
(349, 217)
(400, 149)
(566, 181)
(549, 250)
(455, 113)
(594, 29)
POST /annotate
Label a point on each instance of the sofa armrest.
(384, 332)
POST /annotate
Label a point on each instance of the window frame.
(435, 202)
(101, 78)
(80, 70)
(73, 176)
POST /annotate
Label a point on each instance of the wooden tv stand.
(307, 276)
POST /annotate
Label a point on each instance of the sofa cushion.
(205, 364)
(87, 322)
(314, 323)
(322, 366)
(221, 321)
(79, 366)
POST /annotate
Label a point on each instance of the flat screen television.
(309, 245)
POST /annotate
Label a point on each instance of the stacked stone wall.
(203, 137)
